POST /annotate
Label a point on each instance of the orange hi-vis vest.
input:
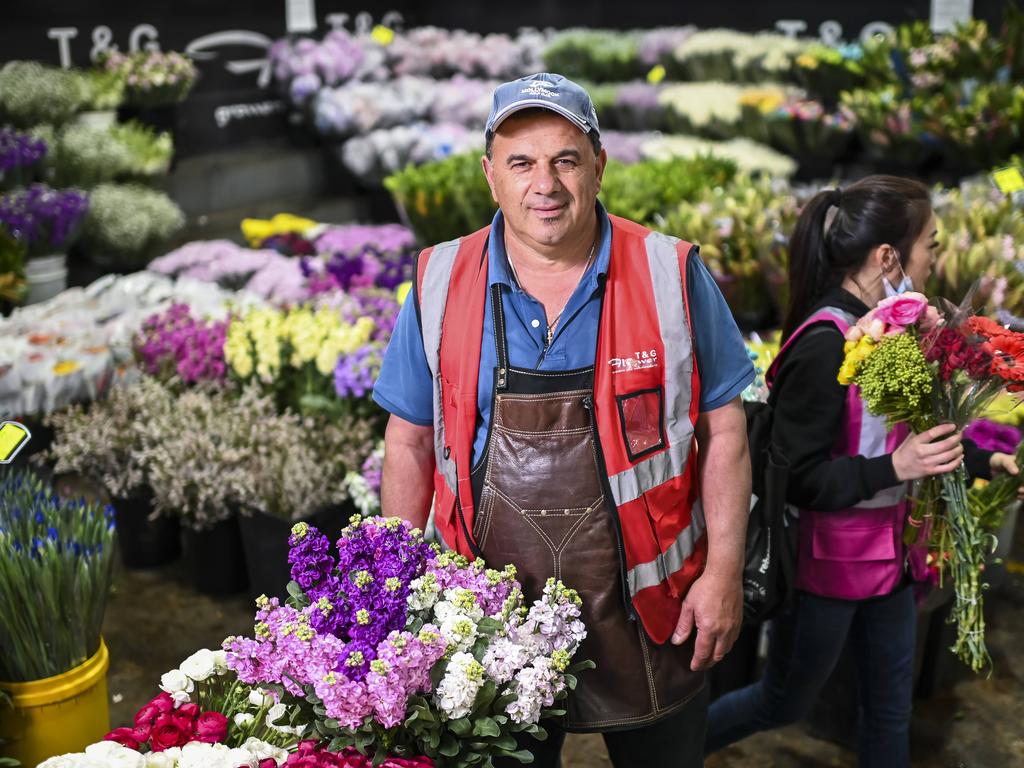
(646, 400)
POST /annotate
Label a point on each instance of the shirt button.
(535, 323)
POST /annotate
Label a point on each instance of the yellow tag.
(656, 75)
(13, 437)
(383, 35)
(1008, 180)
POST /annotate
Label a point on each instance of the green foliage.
(592, 54)
(84, 156)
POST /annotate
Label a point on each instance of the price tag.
(1008, 180)
(656, 75)
(13, 437)
(383, 35)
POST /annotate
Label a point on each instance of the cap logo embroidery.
(540, 90)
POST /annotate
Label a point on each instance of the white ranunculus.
(220, 660)
(261, 750)
(71, 760)
(242, 719)
(176, 681)
(112, 754)
(200, 665)
(166, 759)
(275, 713)
(259, 698)
(199, 755)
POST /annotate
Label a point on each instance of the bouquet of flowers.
(436, 52)
(56, 557)
(20, 155)
(41, 219)
(127, 223)
(601, 55)
(303, 66)
(402, 652)
(749, 156)
(915, 368)
(152, 77)
(361, 257)
(374, 155)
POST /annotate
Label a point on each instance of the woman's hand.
(935, 451)
(1004, 463)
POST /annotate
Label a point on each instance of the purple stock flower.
(175, 342)
(355, 374)
(41, 218)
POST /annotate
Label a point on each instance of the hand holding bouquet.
(917, 366)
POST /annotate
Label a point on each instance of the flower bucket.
(63, 713)
(265, 538)
(47, 276)
(216, 558)
(142, 542)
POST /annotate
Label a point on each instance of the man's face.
(545, 177)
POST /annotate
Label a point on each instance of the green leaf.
(580, 666)
(461, 727)
(485, 726)
(502, 702)
(522, 755)
(507, 743)
(570, 682)
(449, 747)
(489, 626)
(484, 697)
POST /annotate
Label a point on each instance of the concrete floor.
(155, 619)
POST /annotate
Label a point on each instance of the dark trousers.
(676, 741)
(804, 648)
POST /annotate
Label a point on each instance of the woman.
(848, 477)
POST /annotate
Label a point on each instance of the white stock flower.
(459, 632)
(176, 681)
(200, 665)
(423, 593)
(458, 688)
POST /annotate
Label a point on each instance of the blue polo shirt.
(405, 388)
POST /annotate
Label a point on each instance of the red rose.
(211, 728)
(167, 733)
(126, 737)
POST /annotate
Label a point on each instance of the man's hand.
(714, 608)
(1004, 463)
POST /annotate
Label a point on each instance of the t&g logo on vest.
(639, 361)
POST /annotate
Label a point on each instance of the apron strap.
(500, 339)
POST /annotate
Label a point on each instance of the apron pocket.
(854, 544)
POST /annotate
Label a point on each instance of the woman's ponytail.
(808, 257)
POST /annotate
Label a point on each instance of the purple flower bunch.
(289, 244)
(360, 592)
(305, 65)
(176, 343)
(492, 588)
(362, 256)
(19, 151)
(42, 219)
(355, 374)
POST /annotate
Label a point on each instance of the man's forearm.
(407, 484)
(725, 486)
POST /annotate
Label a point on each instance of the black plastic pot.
(265, 538)
(216, 558)
(144, 542)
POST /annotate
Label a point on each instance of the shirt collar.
(497, 262)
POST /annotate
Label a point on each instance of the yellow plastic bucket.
(63, 713)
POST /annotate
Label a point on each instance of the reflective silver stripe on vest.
(667, 283)
(436, 279)
(652, 573)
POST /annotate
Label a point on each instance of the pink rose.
(211, 727)
(902, 310)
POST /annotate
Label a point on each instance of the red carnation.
(211, 728)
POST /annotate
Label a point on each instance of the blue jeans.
(804, 648)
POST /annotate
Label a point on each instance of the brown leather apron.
(540, 504)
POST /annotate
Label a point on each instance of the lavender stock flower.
(41, 218)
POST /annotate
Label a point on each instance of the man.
(567, 383)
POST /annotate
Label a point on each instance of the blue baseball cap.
(547, 91)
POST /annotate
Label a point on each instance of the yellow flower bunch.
(856, 353)
(258, 230)
(266, 340)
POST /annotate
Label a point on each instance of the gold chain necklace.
(554, 322)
